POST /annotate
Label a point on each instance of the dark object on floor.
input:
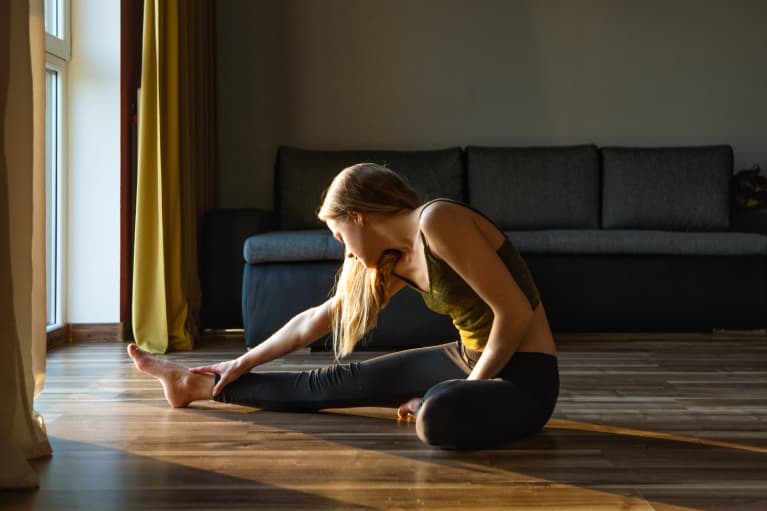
(750, 189)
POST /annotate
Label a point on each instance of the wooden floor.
(655, 422)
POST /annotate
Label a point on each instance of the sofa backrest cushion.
(303, 174)
(535, 187)
(667, 188)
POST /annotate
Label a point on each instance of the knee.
(438, 422)
(326, 380)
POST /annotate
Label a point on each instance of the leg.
(181, 387)
(475, 414)
(387, 380)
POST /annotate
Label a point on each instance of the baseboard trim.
(229, 334)
(758, 334)
(97, 332)
(58, 337)
(75, 333)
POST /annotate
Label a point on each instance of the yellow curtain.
(22, 239)
(175, 171)
(198, 136)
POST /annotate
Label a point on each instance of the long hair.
(361, 292)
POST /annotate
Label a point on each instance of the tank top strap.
(467, 206)
(429, 203)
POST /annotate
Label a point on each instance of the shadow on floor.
(82, 476)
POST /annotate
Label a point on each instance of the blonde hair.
(361, 292)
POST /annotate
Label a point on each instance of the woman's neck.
(400, 231)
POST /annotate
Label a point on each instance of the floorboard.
(656, 422)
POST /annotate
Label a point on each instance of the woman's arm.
(303, 329)
(300, 331)
(454, 236)
(505, 336)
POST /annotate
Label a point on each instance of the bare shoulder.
(443, 220)
(441, 213)
(457, 235)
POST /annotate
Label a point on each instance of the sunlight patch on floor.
(617, 430)
(432, 483)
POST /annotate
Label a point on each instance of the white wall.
(94, 164)
(436, 73)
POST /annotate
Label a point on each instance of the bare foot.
(181, 386)
(407, 410)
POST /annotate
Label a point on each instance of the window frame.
(57, 56)
(60, 186)
(60, 47)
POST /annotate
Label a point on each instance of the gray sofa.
(618, 239)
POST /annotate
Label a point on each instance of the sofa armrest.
(749, 221)
(220, 262)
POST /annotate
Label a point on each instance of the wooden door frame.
(131, 22)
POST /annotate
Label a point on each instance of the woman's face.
(358, 239)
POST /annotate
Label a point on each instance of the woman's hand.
(229, 371)
(407, 410)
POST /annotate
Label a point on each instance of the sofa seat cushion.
(288, 246)
(638, 242)
(319, 245)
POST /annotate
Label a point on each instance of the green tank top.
(449, 294)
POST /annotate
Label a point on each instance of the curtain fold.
(22, 239)
(176, 152)
(197, 142)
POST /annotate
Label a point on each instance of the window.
(56, 58)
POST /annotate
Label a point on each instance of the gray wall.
(421, 74)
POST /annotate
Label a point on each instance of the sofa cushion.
(638, 242)
(302, 175)
(319, 245)
(535, 187)
(287, 246)
(682, 188)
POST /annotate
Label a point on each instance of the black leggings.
(454, 412)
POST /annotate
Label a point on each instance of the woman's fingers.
(225, 379)
(217, 389)
(203, 370)
(227, 372)
(228, 375)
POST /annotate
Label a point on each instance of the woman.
(498, 382)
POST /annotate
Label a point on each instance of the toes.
(141, 358)
(133, 350)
